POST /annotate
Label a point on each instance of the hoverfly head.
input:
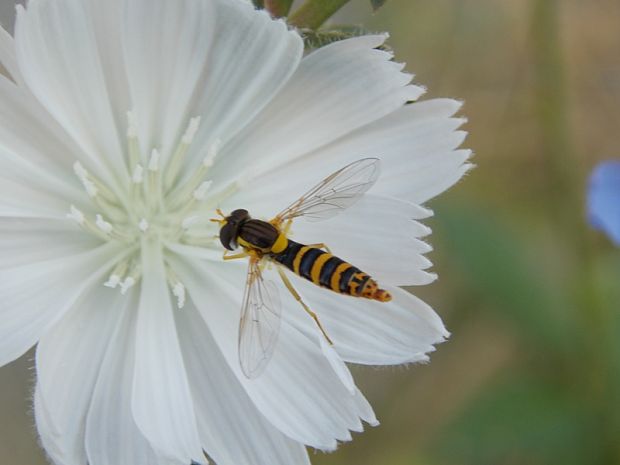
(230, 228)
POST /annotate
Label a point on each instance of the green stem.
(278, 8)
(313, 13)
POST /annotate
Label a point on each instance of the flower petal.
(36, 295)
(375, 333)
(160, 378)
(604, 199)
(233, 431)
(8, 58)
(379, 236)
(74, 350)
(112, 436)
(250, 60)
(59, 58)
(166, 45)
(299, 393)
(27, 240)
(340, 87)
(416, 144)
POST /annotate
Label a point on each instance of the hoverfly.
(264, 241)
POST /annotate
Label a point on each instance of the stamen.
(154, 161)
(199, 194)
(113, 281)
(127, 284)
(76, 215)
(131, 280)
(103, 224)
(174, 166)
(190, 133)
(143, 225)
(138, 174)
(179, 292)
(209, 160)
(132, 138)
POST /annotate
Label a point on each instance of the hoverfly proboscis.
(268, 240)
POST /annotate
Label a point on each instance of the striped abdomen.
(329, 271)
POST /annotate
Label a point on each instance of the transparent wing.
(335, 193)
(260, 322)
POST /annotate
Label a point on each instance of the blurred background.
(531, 295)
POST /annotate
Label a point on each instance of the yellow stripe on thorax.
(280, 244)
(317, 266)
(298, 257)
(335, 281)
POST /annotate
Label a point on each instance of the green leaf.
(278, 8)
(317, 39)
(376, 4)
(258, 3)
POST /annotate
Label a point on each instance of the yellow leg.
(298, 298)
(320, 246)
(235, 256)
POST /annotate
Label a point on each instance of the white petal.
(69, 358)
(161, 399)
(59, 58)
(112, 436)
(36, 295)
(299, 392)
(378, 235)
(166, 45)
(250, 60)
(375, 333)
(24, 241)
(416, 144)
(7, 56)
(338, 88)
(233, 431)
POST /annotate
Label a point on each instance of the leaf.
(258, 3)
(317, 39)
(376, 4)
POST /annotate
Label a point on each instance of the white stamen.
(200, 193)
(103, 224)
(154, 161)
(132, 128)
(76, 215)
(143, 225)
(179, 292)
(190, 221)
(212, 153)
(80, 171)
(190, 133)
(138, 174)
(113, 281)
(127, 284)
(90, 187)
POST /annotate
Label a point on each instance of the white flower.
(124, 125)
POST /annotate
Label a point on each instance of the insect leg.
(235, 256)
(320, 246)
(298, 298)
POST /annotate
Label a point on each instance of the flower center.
(158, 204)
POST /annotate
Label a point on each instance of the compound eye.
(228, 236)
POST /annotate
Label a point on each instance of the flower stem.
(278, 8)
(313, 13)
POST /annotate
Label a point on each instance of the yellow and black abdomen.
(329, 271)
